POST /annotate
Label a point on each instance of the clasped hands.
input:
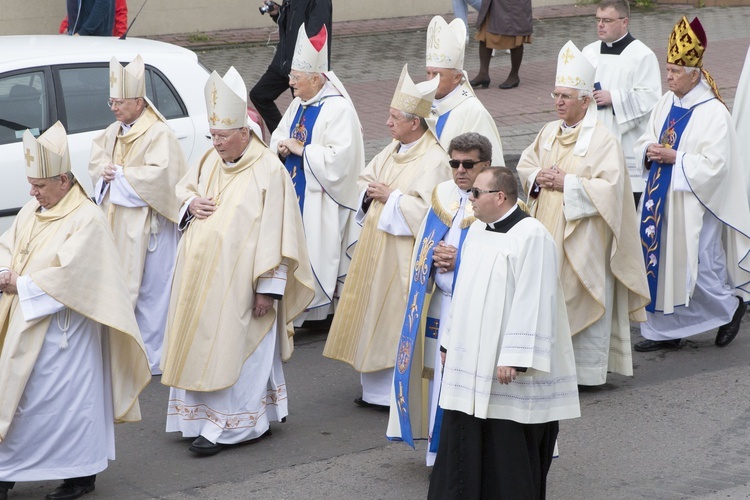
(378, 191)
(444, 257)
(290, 146)
(110, 171)
(661, 154)
(505, 374)
(551, 178)
(202, 208)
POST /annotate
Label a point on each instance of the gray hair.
(412, 116)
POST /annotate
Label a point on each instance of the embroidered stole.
(301, 130)
(655, 197)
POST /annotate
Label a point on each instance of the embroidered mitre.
(445, 44)
(311, 54)
(414, 98)
(127, 82)
(46, 156)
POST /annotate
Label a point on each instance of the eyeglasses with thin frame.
(221, 139)
(117, 103)
(558, 95)
(607, 20)
(476, 192)
(295, 78)
(468, 164)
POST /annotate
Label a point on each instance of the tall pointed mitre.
(127, 82)
(445, 44)
(687, 44)
(226, 100)
(46, 156)
(311, 54)
(574, 70)
(415, 98)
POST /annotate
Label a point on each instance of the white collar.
(505, 216)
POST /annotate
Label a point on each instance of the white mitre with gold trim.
(445, 44)
(46, 156)
(311, 54)
(415, 98)
(226, 100)
(573, 69)
(127, 82)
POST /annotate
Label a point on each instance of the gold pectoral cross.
(24, 253)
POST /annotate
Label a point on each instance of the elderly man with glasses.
(627, 82)
(135, 165)
(242, 276)
(395, 192)
(320, 141)
(509, 373)
(574, 174)
(434, 267)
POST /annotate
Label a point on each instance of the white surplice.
(633, 79)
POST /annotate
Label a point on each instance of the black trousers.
(264, 94)
(492, 459)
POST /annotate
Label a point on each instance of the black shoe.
(655, 345)
(202, 446)
(480, 83)
(728, 332)
(364, 404)
(510, 85)
(69, 491)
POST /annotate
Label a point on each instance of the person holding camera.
(290, 15)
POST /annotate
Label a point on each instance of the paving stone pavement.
(369, 64)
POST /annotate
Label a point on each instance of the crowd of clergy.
(200, 273)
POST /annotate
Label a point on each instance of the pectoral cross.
(28, 157)
(112, 79)
(24, 253)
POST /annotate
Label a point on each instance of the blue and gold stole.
(301, 130)
(655, 196)
(435, 230)
(441, 123)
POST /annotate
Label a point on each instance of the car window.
(85, 91)
(23, 104)
(163, 96)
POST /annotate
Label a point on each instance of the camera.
(267, 6)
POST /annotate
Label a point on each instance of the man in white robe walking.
(320, 141)
(509, 373)
(627, 82)
(71, 359)
(694, 220)
(135, 165)
(456, 109)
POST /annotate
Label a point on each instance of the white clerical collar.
(325, 90)
(463, 194)
(697, 94)
(403, 148)
(610, 44)
(125, 127)
(505, 216)
(447, 96)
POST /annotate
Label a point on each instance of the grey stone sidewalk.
(369, 67)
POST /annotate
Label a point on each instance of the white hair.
(690, 69)
(582, 94)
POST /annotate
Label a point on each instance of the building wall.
(23, 17)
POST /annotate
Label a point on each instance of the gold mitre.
(127, 82)
(226, 100)
(446, 44)
(573, 69)
(46, 156)
(311, 54)
(414, 98)
(687, 43)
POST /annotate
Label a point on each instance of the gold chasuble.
(367, 324)
(153, 163)
(68, 252)
(592, 246)
(257, 226)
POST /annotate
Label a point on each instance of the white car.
(55, 77)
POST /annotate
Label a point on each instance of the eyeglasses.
(468, 164)
(221, 139)
(476, 192)
(607, 20)
(295, 78)
(117, 103)
(564, 97)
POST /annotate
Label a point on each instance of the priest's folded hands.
(506, 374)
(551, 178)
